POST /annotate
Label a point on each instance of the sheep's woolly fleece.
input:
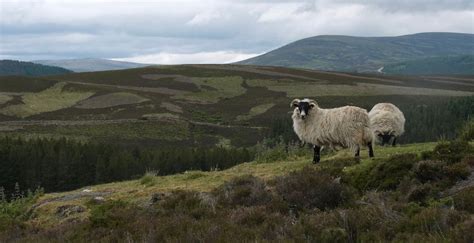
(387, 118)
(346, 127)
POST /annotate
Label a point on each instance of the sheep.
(346, 127)
(387, 122)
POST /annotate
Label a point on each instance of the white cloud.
(190, 58)
(204, 18)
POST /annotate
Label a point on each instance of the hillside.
(206, 105)
(19, 68)
(364, 54)
(91, 64)
(381, 199)
(449, 65)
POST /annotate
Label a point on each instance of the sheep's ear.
(295, 103)
(312, 103)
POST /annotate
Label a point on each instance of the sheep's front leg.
(317, 154)
(357, 153)
(394, 141)
(371, 149)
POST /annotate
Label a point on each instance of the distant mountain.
(364, 54)
(452, 65)
(13, 67)
(91, 64)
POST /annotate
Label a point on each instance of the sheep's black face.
(385, 137)
(304, 108)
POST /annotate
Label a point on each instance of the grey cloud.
(90, 29)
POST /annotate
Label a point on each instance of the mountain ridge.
(363, 54)
(91, 64)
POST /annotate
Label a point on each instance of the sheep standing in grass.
(346, 127)
(387, 122)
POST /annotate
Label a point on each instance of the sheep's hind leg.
(317, 154)
(371, 149)
(394, 141)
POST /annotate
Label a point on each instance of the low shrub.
(449, 152)
(148, 179)
(429, 170)
(111, 214)
(467, 131)
(270, 150)
(310, 188)
(194, 204)
(16, 209)
(457, 171)
(464, 200)
(463, 232)
(383, 174)
(435, 220)
(243, 191)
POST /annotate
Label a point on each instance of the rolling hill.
(364, 54)
(19, 68)
(208, 105)
(91, 64)
(449, 65)
(399, 195)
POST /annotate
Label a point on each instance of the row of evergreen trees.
(58, 165)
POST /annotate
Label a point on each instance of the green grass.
(220, 87)
(111, 100)
(5, 98)
(255, 111)
(139, 191)
(51, 99)
(302, 89)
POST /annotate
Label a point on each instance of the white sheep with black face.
(387, 122)
(346, 127)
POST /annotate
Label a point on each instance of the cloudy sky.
(207, 31)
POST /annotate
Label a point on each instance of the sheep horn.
(312, 103)
(295, 102)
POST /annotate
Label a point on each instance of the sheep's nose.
(303, 117)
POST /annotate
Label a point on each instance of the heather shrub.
(449, 152)
(111, 214)
(310, 188)
(383, 174)
(464, 200)
(463, 231)
(243, 191)
(429, 170)
(194, 204)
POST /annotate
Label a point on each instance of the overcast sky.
(207, 31)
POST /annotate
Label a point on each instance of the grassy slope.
(206, 98)
(452, 65)
(135, 192)
(348, 53)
